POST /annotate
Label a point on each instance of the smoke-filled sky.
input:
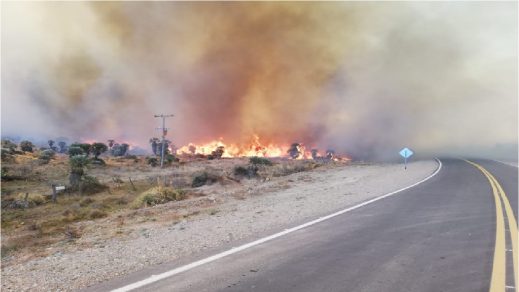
(365, 78)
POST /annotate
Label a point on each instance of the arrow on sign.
(406, 153)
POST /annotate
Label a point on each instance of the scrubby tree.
(153, 161)
(295, 150)
(330, 153)
(26, 146)
(192, 149)
(218, 152)
(120, 149)
(46, 156)
(62, 147)
(154, 141)
(315, 153)
(87, 148)
(51, 144)
(98, 149)
(77, 168)
(75, 150)
(7, 144)
(111, 143)
(166, 147)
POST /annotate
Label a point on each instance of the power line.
(164, 132)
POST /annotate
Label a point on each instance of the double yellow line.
(498, 280)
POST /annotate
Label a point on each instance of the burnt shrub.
(260, 161)
(248, 171)
(204, 178)
(95, 214)
(240, 171)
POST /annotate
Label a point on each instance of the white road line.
(507, 163)
(155, 278)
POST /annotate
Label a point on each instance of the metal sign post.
(406, 153)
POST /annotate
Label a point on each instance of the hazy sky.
(363, 78)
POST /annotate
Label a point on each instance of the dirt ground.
(28, 232)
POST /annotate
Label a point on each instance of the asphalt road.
(437, 236)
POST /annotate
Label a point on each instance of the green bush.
(260, 161)
(32, 200)
(75, 150)
(169, 158)
(87, 148)
(98, 149)
(90, 185)
(5, 173)
(26, 146)
(157, 195)
(7, 155)
(46, 156)
(8, 145)
(153, 161)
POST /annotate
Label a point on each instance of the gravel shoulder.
(230, 213)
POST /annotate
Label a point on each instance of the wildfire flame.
(253, 148)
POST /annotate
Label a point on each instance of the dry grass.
(29, 231)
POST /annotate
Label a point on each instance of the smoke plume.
(362, 78)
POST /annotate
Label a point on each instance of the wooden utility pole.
(164, 132)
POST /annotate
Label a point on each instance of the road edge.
(178, 270)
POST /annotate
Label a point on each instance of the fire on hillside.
(218, 148)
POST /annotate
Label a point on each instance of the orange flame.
(253, 148)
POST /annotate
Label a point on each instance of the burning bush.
(330, 154)
(315, 154)
(218, 152)
(296, 150)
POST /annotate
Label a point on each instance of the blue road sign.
(406, 152)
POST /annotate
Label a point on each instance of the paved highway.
(454, 232)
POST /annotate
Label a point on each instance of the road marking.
(499, 266)
(512, 225)
(155, 278)
(508, 163)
